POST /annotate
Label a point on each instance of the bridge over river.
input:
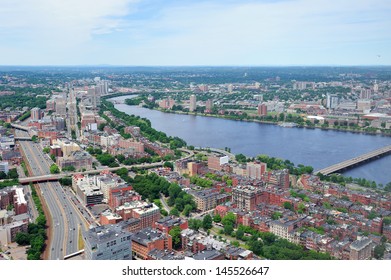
(355, 161)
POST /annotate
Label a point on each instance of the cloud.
(66, 22)
(156, 32)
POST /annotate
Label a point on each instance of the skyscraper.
(193, 103)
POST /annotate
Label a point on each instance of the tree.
(186, 211)
(34, 138)
(241, 158)
(175, 233)
(288, 205)
(207, 222)
(239, 233)
(174, 212)
(69, 168)
(228, 229)
(169, 165)
(379, 251)
(217, 218)
(276, 215)
(46, 150)
(22, 238)
(195, 224)
(54, 169)
(229, 219)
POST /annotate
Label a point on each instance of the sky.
(193, 33)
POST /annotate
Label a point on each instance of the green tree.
(175, 233)
(276, 215)
(207, 222)
(217, 218)
(229, 219)
(228, 229)
(22, 238)
(174, 212)
(195, 224)
(186, 211)
(288, 205)
(54, 169)
(241, 158)
(239, 233)
(379, 251)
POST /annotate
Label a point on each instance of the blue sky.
(187, 32)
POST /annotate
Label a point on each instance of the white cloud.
(66, 22)
(263, 33)
(198, 33)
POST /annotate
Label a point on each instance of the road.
(65, 218)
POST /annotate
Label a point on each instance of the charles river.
(314, 147)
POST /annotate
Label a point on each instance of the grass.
(80, 242)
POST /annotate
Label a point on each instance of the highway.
(66, 220)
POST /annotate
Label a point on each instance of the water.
(314, 147)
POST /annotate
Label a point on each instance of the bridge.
(355, 161)
(55, 177)
(20, 138)
(21, 127)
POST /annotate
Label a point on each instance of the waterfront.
(315, 147)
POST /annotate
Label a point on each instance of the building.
(361, 249)
(67, 147)
(262, 110)
(209, 255)
(193, 103)
(279, 178)
(286, 228)
(205, 199)
(255, 170)
(147, 213)
(8, 232)
(36, 114)
(208, 106)
(110, 242)
(148, 239)
(332, 101)
(61, 107)
(364, 105)
(167, 103)
(88, 192)
(215, 162)
(167, 223)
(78, 159)
(247, 197)
(4, 167)
(20, 203)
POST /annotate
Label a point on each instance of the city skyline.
(195, 33)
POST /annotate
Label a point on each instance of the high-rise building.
(262, 110)
(246, 197)
(109, 242)
(256, 170)
(375, 87)
(36, 114)
(332, 101)
(193, 103)
(203, 88)
(230, 88)
(61, 107)
(208, 106)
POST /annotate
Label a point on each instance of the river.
(314, 147)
